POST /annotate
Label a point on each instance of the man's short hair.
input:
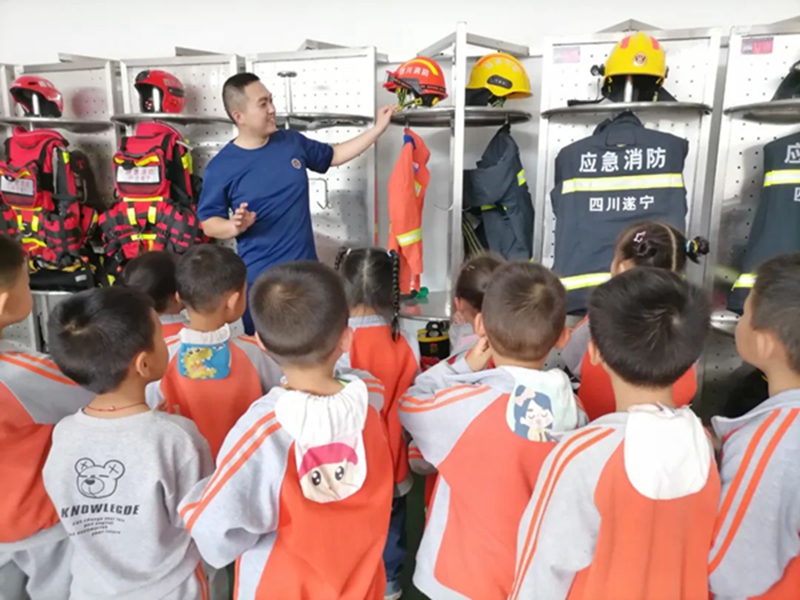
(524, 311)
(649, 325)
(300, 311)
(776, 303)
(12, 257)
(153, 273)
(233, 94)
(95, 335)
(206, 274)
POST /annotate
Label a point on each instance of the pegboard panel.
(90, 92)
(331, 81)
(25, 333)
(758, 60)
(692, 57)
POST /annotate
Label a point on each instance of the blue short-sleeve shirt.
(272, 180)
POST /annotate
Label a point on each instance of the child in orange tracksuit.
(647, 244)
(153, 273)
(756, 551)
(35, 553)
(303, 489)
(488, 432)
(474, 278)
(380, 347)
(624, 509)
(213, 377)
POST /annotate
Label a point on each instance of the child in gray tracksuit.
(117, 471)
(756, 551)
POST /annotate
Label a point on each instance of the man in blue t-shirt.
(261, 177)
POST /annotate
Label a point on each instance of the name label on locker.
(566, 54)
(759, 45)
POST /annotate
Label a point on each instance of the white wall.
(151, 28)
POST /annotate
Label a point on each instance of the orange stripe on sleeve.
(529, 549)
(372, 382)
(440, 404)
(442, 395)
(210, 493)
(752, 485)
(236, 567)
(37, 370)
(42, 361)
(374, 390)
(229, 456)
(745, 464)
(202, 581)
(249, 339)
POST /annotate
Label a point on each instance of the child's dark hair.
(775, 301)
(372, 278)
(300, 311)
(12, 257)
(153, 273)
(94, 335)
(650, 325)
(524, 311)
(652, 244)
(474, 278)
(206, 273)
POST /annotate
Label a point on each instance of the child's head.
(212, 280)
(102, 338)
(768, 334)
(300, 312)
(659, 245)
(523, 313)
(15, 294)
(648, 326)
(372, 280)
(472, 282)
(153, 273)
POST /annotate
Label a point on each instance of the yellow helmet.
(502, 75)
(637, 54)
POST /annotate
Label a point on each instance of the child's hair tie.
(639, 237)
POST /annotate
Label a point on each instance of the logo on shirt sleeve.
(98, 481)
(297, 164)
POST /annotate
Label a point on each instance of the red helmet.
(170, 87)
(51, 102)
(420, 76)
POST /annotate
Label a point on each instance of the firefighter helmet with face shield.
(419, 81)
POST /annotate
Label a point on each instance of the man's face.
(258, 113)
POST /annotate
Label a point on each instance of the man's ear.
(478, 325)
(563, 339)
(594, 355)
(346, 340)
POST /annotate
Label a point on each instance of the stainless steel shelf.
(178, 119)
(71, 125)
(725, 322)
(444, 116)
(781, 112)
(617, 107)
(312, 121)
(435, 307)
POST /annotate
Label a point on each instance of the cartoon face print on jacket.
(98, 481)
(533, 414)
(329, 473)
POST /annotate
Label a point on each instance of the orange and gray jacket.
(624, 173)
(497, 192)
(776, 226)
(757, 537)
(407, 186)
